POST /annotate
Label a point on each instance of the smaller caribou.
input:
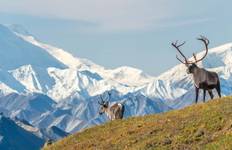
(113, 112)
(203, 79)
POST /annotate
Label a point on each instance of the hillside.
(201, 126)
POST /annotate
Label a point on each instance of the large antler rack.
(186, 61)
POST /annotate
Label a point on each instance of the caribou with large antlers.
(113, 112)
(203, 79)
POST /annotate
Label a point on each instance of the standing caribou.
(203, 79)
(113, 112)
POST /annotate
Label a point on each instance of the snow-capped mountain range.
(48, 87)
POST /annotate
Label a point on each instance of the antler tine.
(195, 57)
(181, 44)
(176, 42)
(100, 103)
(180, 60)
(109, 94)
(177, 47)
(204, 39)
(206, 42)
(102, 100)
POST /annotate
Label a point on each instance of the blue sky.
(115, 33)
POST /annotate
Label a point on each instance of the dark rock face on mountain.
(13, 137)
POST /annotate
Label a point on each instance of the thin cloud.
(184, 22)
(114, 15)
(108, 14)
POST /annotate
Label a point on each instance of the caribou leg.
(204, 95)
(210, 93)
(197, 92)
(218, 88)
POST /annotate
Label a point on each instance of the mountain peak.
(15, 52)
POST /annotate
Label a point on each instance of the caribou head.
(203, 79)
(103, 105)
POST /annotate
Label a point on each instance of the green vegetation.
(202, 126)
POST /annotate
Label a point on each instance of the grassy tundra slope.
(201, 126)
